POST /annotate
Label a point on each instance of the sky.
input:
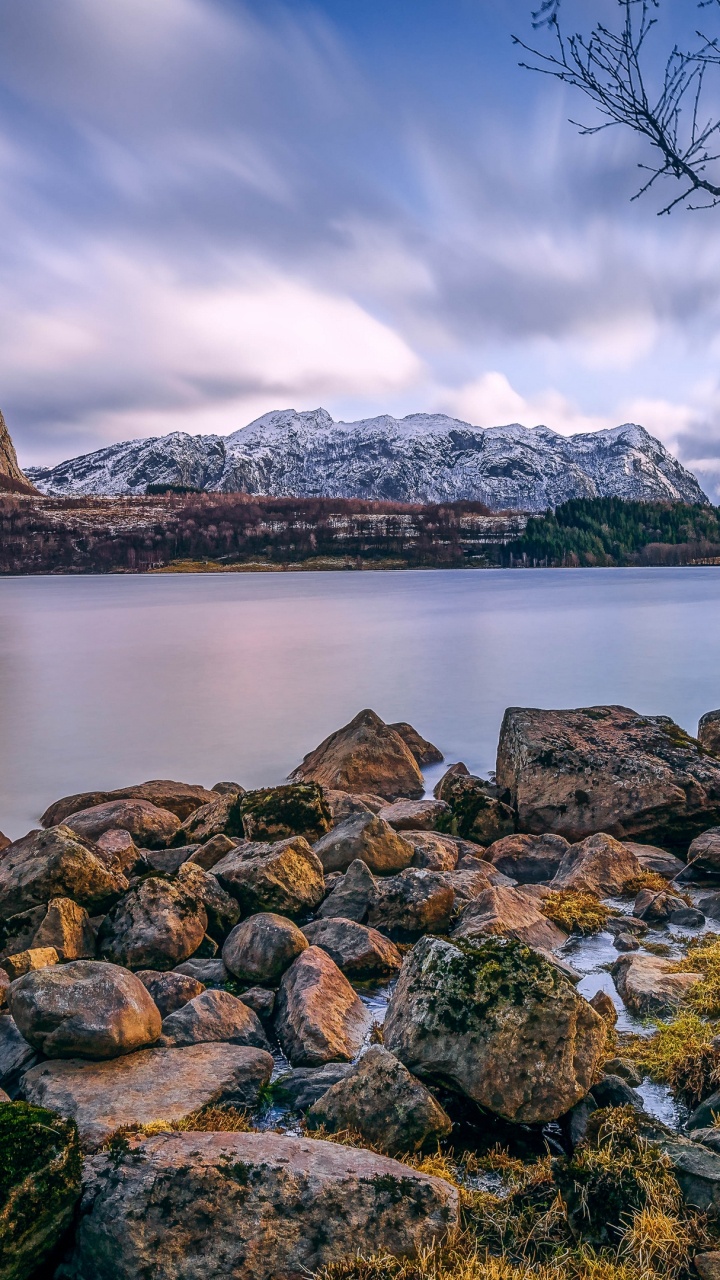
(214, 208)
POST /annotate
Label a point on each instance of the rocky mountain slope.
(11, 477)
(420, 458)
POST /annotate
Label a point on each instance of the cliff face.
(11, 477)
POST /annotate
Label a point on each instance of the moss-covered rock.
(40, 1168)
(274, 813)
(475, 811)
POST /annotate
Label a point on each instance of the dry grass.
(575, 912)
(680, 1055)
(205, 1120)
(645, 880)
(703, 957)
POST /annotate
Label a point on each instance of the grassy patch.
(575, 912)
(680, 1055)
(703, 957)
(645, 880)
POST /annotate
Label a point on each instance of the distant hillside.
(424, 458)
(12, 479)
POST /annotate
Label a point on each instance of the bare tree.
(665, 103)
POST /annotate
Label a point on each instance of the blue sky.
(210, 209)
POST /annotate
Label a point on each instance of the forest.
(612, 531)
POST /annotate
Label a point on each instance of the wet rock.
(528, 859)
(28, 961)
(709, 732)
(319, 1018)
(709, 904)
(16, 1055)
(210, 972)
(152, 1084)
(206, 855)
(365, 836)
(497, 1023)
(657, 907)
(213, 1016)
(148, 825)
(613, 1091)
(424, 752)
(653, 859)
(220, 816)
(55, 864)
(606, 769)
(625, 1068)
(359, 952)
(261, 1001)
(415, 815)
(625, 942)
(432, 851)
(385, 1103)
(303, 1086)
(575, 1123)
(299, 1205)
(118, 851)
(604, 1004)
(366, 755)
(708, 1137)
(647, 984)
(411, 903)
(275, 813)
(704, 1115)
(704, 852)
(179, 798)
(263, 947)
(477, 812)
(41, 1185)
(508, 913)
(84, 1009)
(223, 912)
(599, 864)
(156, 925)
(688, 917)
(169, 991)
(286, 877)
(626, 924)
(352, 895)
(67, 928)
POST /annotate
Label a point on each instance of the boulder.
(228, 789)
(606, 769)
(366, 755)
(458, 770)
(156, 925)
(648, 985)
(415, 815)
(469, 884)
(613, 1091)
(387, 1105)
(709, 732)
(704, 1115)
(263, 947)
(365, 836)
(212, 973)
(707, 1265)
(657, 907)
(687, 917)
(342, 804)
(424, 752)
(528, 859)
(625, 942)
(360, 953)
(213, 1016)
(432, 851)
(603, 1004)
(508, 913)
(84, 1009)
(300, 1088)
(658, 860)
(221, 908)
(168, 861)
(598, 864)
(352, 895)
(411, 903)
(148, 825)
(118, 851)
(318, 1016)
(179, 798)
(18, 931)
(274, 813)
(709, 904)
(40, 1183)
(170, 991)
(497, 1023)
(262, 1002)
(55, 864)
(286, 877)
(28, 961)
(67, 928)
(206, 855)
(220, 816)
(476, 810)
(704, 852)
(278, 1205)
(16, 1056)
(152, 1084)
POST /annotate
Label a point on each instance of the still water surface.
(106, 681)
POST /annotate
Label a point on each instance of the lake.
(106, 681)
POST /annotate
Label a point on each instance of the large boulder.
(170, 991)
(16, 1056)
(40, 1183)
(156, 925)
(649, 985)
(365, 836)
(214, 1016)
(117, 849)
(342, 804)
(274, 813)
(411, 903)
(432, 851)
(352, 895)
(606, 769)
(277, 1205)
(704, 852)
(424, 752)
(528, 859)
(709, 732)
(660, 861)
(415, 815)
(180, 798)
(381, 1100)
(508, 913)
(261, 948)
(206, 855)
(476, 811)
(84, 1009)
(366, 755)
(67, 928)
(286, 877)
(598, 864)
(497, 1023)
(152, 1084)
(318, 1016)
(360, 953)
(222, 910)
(220, 816)
(55, 864)
(26, 961)
(149, 826)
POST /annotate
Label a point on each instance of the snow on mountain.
(421, 458)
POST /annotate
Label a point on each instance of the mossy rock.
(40, 1170)
(276, 813)
(475, 812)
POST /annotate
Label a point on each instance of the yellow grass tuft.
(575, 912)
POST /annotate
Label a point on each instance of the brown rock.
(170, 991)
(206, 855)
(179, 798)
(275, 813)
(458, 770)
(54, 864)
(261, 1001)
(353, 894)
(432, 851)
(359, 952)
(148, 825)
(704, 852)
(301, 1205)
(4, 984)
(415, 815)
(468, 884)
(599, 864)
(261, 948)
(4, 841)
(424, 752)
(318, 1016)
(366, 755)
(286, 877)
(156, 925)
(709, 732)
(28, 961)
(656, 908)
(12, 479)
(220, 816)
(606, 769)
(213, 1016)
(528, 859)
(707, 1265)
(152, 1084)
(411, 903)
(342, 804)
(223, 912)
(477, 812)
(19, 931)
(508, 913)
(365, 836)
(658, 860)
(603, 1004)
(647, 984)
(118, 850)
(67, 928)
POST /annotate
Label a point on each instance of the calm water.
(110, 680)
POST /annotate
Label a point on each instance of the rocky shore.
(336, 1028)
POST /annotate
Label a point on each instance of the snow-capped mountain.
(421, 458)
